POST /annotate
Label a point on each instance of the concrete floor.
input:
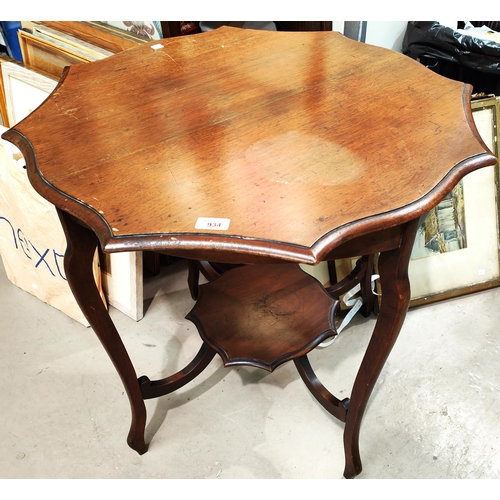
(433, 414)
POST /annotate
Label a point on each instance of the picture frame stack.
(24, 86)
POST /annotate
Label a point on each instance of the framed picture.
(24, 89)
(101, 34)
(456, 249)
(49, 50)
(4, 120)
(121, 274)
(149, 30)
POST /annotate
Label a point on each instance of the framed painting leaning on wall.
(456, 247)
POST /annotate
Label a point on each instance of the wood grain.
(302, 140)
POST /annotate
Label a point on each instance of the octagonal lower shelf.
(263, 315)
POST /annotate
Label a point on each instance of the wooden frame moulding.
(48, 50)
(475, 266)
(446, 274)
(100, 34)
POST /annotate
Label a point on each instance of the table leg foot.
(352, 467)
(78, 261)
(136, 441)
(393, 270)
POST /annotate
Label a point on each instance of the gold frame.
(434, 295)
(437, 289)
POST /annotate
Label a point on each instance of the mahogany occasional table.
(268, 149)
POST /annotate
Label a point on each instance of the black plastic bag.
(432, 40)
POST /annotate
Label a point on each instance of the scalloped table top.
(261, 143)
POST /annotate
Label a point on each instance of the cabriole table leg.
(82, 244)
(393, 270)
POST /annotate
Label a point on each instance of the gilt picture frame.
(456, 250)
(464, 257)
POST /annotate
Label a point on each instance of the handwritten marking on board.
(49, 257)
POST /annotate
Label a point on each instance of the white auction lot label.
(217, 223)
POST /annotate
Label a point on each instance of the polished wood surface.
(304, 140)
(263, 316)
(314, 146)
